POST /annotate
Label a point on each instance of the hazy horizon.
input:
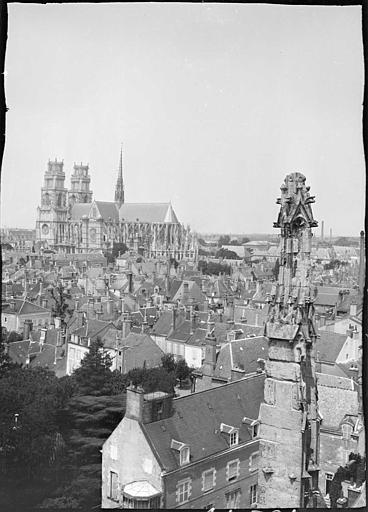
(214, 103)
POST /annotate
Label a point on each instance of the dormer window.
(184, 455)
(234, 438)
(231, 432)
(184, 451)
(253, 426)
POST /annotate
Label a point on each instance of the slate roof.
(107, 209)
(142, 351)
(92, 328)
(197, 418)
(148, 212)
(329, 345)
(241, 354)
(164, 324)
(80, 209)
(149, 312)
(23, 307)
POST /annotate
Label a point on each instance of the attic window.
(253, 426)
(183, 450)
(232, 432)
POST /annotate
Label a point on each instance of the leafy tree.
(223, 240)
(212, 268)
(244, 240)
(168, 363)
(226, 253)
(14, 336)
(182, 371)
(5, 362)
(174, 263)
(61, 307)
(30, 399)
(88, 421)
(152, 379)
(118, 248)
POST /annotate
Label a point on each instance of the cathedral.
(71, 221)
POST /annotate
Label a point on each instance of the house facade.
(196, 451)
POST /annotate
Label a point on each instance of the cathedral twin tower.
(71, 221)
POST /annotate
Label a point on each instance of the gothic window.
(46, 199)
(59, 200)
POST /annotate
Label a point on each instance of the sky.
(214, 105)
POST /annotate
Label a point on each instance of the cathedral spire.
(119, 189)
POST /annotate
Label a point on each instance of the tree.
(212, 268)
(227, 254)
(61, 307)
(119, 248)
(5, 362)
(14, 336)
(94, 376)
(168, 363)
(30, 399)
(182, 370)
(223, 240)
(174, 263)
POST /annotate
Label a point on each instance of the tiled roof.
(148, 212)
(197, 418)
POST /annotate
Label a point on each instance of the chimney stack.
(130, 279)
(126, 323)
(27, 328)
(134, 403)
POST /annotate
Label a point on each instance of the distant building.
(71, 221)
(16, 312)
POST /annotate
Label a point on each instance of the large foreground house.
(198, 451)
(71, 221)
